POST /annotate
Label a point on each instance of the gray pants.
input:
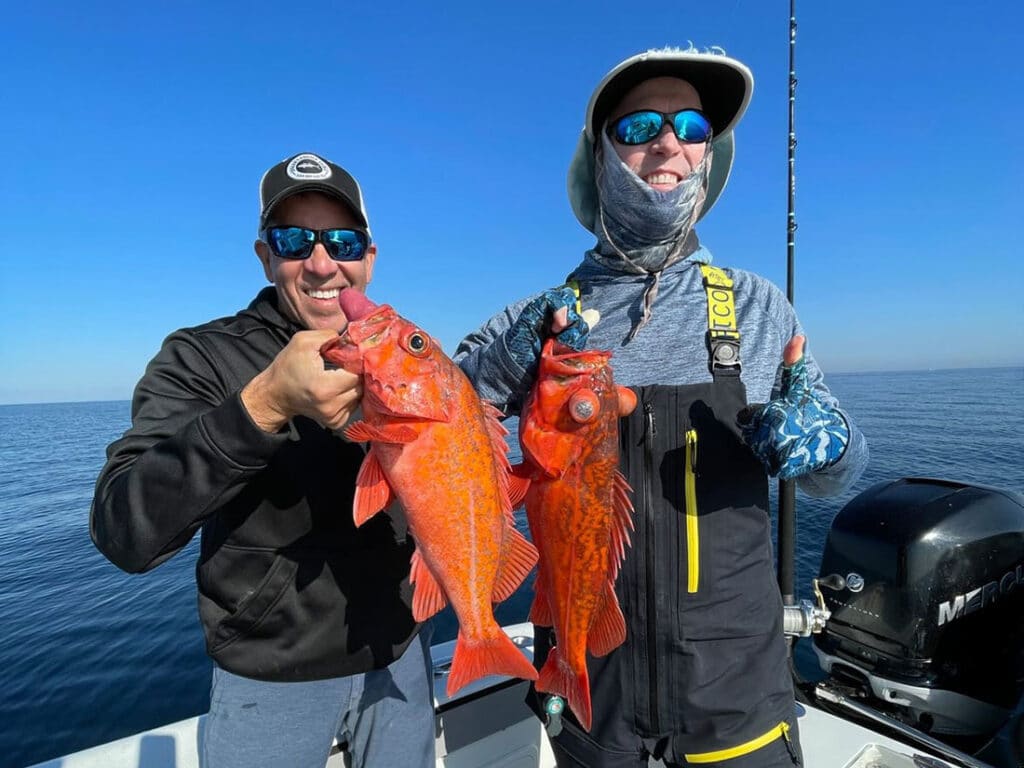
(386, 718)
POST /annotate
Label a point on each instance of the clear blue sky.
(134, 135)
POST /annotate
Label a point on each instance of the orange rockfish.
(579, 512)
(440, 450)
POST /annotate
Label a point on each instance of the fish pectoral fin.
(359, 432)
(428, 598)
(608, 631)
(518, 557)
(373, 492)
(362, 432)
(554, 452)
(621, 523)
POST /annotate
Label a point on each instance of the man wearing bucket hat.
(234, 431)
(727, 396)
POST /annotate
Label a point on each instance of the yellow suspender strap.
(782, 729)
(575, 287)
(723, 334)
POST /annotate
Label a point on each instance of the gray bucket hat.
(724, 85)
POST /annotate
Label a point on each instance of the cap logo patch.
(308, 166)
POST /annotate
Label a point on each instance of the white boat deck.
(488, 724)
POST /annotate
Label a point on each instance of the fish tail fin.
(495, 655)
(608, 631)
(558, 676)
(518, 558)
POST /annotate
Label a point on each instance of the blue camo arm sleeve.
(838, 477)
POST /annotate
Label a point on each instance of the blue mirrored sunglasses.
(691, 126)
(298, 242)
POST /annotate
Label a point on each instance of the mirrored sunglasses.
(691, 126)
(298, 242)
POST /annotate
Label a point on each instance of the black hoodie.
(289, 589)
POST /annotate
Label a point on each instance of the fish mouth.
(564, 360)
(342, 352)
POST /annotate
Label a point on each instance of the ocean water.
(89, 654)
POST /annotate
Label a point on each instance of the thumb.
(560, 320)
(794, 372)
(794, 351)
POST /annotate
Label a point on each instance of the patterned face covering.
(642, 224)
(642, 230)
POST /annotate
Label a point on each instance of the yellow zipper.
(782, 729)
(692, 532)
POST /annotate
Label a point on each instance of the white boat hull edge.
(488, 725)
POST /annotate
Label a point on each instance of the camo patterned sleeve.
(825, 450)
(796, 433)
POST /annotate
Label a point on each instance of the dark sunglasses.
(690, 125)
(298, 242)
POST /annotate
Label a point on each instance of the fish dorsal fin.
(361, 432)
(622, 523)
(428, 598)
(518, 556)
(608, 631)
(511, 490)
(496, 414)
(373, 492)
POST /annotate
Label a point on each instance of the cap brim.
(583, 187)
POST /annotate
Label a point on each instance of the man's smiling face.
(307, 289)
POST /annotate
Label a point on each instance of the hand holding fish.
(552, 313)
(796, 433)
(296, 384)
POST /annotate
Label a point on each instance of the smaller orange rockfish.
(579, 512)
(441, 451)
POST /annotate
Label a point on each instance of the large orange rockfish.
(438, 449)
(579, 512)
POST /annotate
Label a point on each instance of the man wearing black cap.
(703, 675)
(306, 617)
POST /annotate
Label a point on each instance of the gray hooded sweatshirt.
(671, 348)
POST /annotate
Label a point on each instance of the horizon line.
(830, 373)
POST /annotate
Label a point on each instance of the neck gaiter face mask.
(642, 230)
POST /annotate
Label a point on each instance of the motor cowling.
(925, 583)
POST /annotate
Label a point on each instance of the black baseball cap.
(307, 172)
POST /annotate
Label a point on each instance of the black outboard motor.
(925, 583)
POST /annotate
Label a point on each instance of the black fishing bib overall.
(703, 678)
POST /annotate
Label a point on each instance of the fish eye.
(584, 406)
(417, 343)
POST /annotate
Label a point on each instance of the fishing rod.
(787, 488)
